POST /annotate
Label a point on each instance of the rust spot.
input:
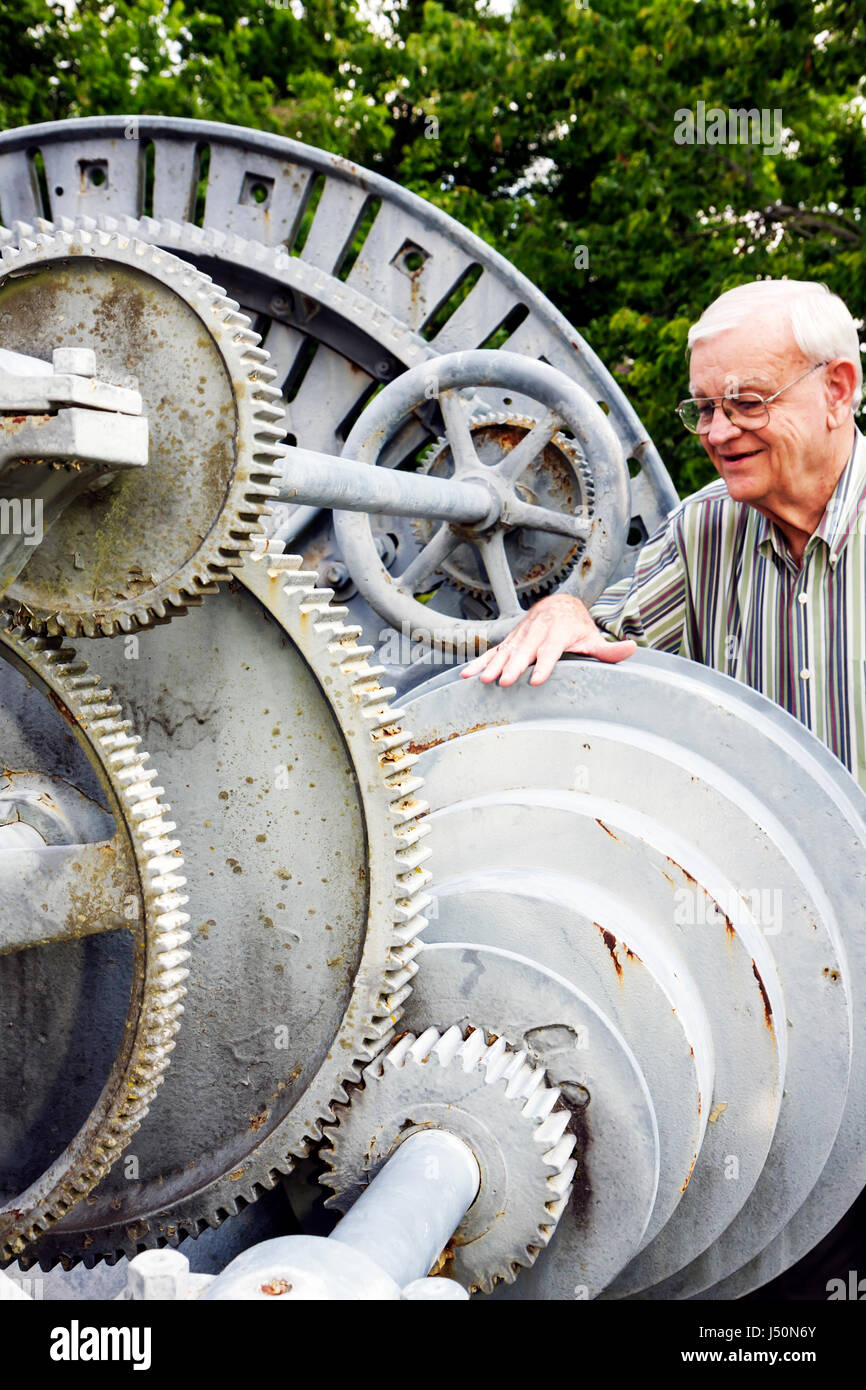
(604, 827)
(830, 974)
(458, 733)
(59, 705)
(632, 955)
(256, 1121)
(684, 873)
(276, 1286)
(768, 1009)
(610, 942)
(689, 1173)
(581, 1189)
(717, 1110)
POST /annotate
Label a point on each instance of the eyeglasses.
(747, 411)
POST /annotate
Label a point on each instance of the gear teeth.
(544, 582)
(91, 706)
(259, 427)
(378, 1112)
(292, 593)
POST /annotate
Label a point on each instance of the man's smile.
(735, 458)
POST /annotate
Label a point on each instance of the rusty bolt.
(276, 1286)
(335, 574)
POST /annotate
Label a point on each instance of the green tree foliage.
(545, 127)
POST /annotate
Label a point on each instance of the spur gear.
(494, 1099)
(292, 777)
(559, 477)
(157, 539)
(131, 880)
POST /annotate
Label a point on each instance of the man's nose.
(721, 429)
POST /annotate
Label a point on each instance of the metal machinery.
(626, 1059)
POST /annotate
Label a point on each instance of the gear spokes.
(557, 477)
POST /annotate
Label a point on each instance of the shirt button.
(802, 598)
(805, 674)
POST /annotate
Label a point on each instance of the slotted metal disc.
(377, 280)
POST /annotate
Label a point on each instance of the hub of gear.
(157, 538)
(494, 1099)
(559, 478)
(132, 880)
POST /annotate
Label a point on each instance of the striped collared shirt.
(717, 584)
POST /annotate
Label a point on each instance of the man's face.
(781, 461)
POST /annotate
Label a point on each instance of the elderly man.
(761, 574)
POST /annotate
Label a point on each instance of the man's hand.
(560, 623)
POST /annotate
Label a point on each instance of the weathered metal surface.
(559, 479)
(547, 1016)
(378, 280)
(559, 404)
(405, 1217)
(159, 536)
(287, 172)
(287, 769)
(713, 839)
(497, 1102)
(52, 1156)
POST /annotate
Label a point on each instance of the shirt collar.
(839, 521)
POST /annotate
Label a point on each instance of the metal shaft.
(324, 480)
(413, 1206)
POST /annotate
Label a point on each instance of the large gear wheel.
(494, 1099)
(127, 879)
(158, 538)
(559, 477)
(306, 880)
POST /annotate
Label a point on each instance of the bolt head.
(158, 1275)
(74, 361)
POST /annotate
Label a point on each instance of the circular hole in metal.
(575, 1093)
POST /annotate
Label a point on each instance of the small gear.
(154, 1010)
(158, 538)
(493, 1098)
(559, 478)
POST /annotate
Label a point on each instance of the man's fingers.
(474, 667)
(612, 651)
(498, 657)
(519, 657)
(546, 658)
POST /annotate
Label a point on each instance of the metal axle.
(390, 1238)
(326, 480)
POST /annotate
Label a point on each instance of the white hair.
(820, 321)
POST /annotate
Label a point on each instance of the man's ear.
(841, 382)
